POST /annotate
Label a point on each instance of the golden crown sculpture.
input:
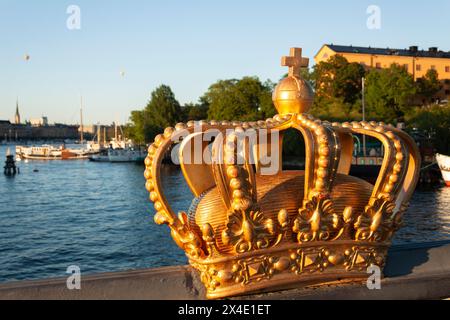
(246, 232)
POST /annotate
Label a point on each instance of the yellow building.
(416, 61)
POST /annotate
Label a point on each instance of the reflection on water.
(428, 217)
(98, 216)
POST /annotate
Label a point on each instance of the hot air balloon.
(26, 57)
(122, 74)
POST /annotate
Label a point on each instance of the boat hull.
(44, 158)
(444, 164)
(51, 153)
(39, 153)
(74, 155)
(125, 155)
(99, 158)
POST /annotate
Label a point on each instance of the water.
(98, 216)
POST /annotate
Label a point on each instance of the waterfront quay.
(11, 132)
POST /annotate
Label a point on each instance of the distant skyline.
(125, 49)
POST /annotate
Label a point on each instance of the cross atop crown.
(295, 62)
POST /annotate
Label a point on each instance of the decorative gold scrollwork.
(316, 220)
(378, 221)
(360, 257)
(185, 237)
(209, 238)
(248, 230)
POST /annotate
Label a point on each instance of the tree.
(337, 81)
(195, 111)
(389, 93)
(245, 99)
(306, 73)
(162, 111)
(429, 86)
(136, 129)
(435, 121)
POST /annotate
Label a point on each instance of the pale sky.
(187, 44)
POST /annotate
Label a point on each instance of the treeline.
(391, 95)
(245, 99)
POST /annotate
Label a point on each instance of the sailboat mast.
(363, 84)
(81, 121)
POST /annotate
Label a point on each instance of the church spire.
(17, 117)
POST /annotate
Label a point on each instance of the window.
(447, 92)
(433, 67)
(378, 65)
(418, 67)
(447, 68)
(405, 66)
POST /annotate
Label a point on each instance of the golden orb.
(293, 95)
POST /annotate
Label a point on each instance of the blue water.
(98, 216)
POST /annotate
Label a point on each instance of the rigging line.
(431, 164)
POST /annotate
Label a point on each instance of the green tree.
(162, 111)
(334, 109)
(429, 85)
(245, 99)
(135, 130)
(435, 121)
(389, 93)
(307, 74)
(337, 82)
(195, 111)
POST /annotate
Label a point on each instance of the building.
(40, 129)
(13, 132)
(17, 115)
(416, 61)
(107, 132)
(39, 122)
(35, 129)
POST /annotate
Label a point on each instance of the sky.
(123, 50)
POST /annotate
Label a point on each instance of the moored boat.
(74, 154)
(126, 155)
(48, 152)
(444, 164)
(100, 157)
(44, 152)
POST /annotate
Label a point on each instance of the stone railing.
(417, 271)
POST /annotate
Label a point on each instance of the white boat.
(100, 157)
(126, 155)
(49, 152)
(444, 164)
(44, 152)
